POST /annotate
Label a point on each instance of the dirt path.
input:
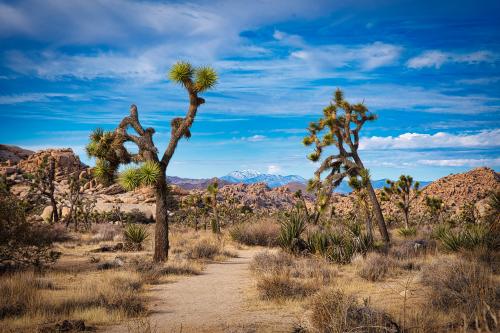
(216, 301)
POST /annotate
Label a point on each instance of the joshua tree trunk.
(55, 215)
(161, 227)
(406, 218)
(369, 223)
(376, 206)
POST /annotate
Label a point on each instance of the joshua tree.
(359, 185)
(434, 206)
(43, 182)
(213, 190)
(154, 167)
(343, 122)
(402, 190)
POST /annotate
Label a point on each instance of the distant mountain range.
(293, 182)
(252, 176)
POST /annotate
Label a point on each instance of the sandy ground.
(219, 300)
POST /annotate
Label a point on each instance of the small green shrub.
(407, 232)
(135, 235)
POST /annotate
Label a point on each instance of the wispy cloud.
(255, 138)
(491, 162)
(489, 138)
(436, 58)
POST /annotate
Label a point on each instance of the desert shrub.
(271, 262)
(283, 286)
(104, 232)
(23, 243)
(333, 311)
(467, 289)
(280, 275)
(409, 249)
(407, 232)
(376, 267)
(203, 249)
(264, 233)
(136, 216)
(135, 235)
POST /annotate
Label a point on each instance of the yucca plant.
(407, 232)
(318, 242)
(464, 239)
(135, 235)
(291, 231)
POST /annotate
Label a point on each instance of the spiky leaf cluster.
(107, 147)
(199, 79)
(146, 174)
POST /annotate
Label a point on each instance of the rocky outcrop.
(456, 191)
(258, 196)
(66, 162)
(11, 155)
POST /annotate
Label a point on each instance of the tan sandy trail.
(215, 301)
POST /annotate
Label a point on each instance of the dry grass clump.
(204, 249)
(105, 232)
(333, 311)
(152, 273)
(95, 298)
(410, 249)
(283, 286)
(263, 233)
(267, 262)
(17, 292)
(376, 267)
(466, 289)
(281, 276)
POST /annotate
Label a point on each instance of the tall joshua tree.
(213, 190)
(404, 193)
(153, 169)
(44, 183)
(359, 185)
(342, 122)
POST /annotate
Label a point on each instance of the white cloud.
(255, 138)
(367, 56)
(273, 169)
(436, 58)
(488, 138)
(39, 97)
(491, 162)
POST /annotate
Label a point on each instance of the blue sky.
(429, 69)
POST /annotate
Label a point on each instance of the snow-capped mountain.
(252, 176)
(240, 176)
